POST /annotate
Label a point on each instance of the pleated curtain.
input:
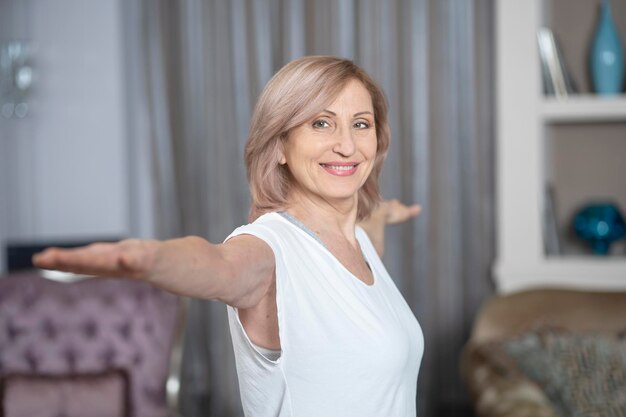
(199, 67)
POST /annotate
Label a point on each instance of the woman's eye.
(362, 125)
(320, 124)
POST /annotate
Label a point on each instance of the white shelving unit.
(584, 108)
(523, 118)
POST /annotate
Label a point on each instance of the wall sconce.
(16, 78)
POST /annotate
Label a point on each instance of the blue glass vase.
(606, 59)
(600, 224)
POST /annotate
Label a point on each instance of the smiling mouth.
(340, 169)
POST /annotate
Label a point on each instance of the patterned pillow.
(583, 375)
(79, 395)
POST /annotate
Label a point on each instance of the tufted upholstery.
(593, 320)
(90, 326)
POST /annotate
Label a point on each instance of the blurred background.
(123, 118)
(128, 118)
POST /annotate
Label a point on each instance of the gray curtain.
(205, 62)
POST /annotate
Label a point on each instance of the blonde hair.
(294, 95)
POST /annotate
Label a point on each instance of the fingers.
(84, 260)
(398, 212)
(55, 258)
(414, 210)
(104, 259)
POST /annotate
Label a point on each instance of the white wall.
(65, 166)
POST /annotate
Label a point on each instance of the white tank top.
(347, 348)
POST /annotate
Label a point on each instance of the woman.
(318, 327)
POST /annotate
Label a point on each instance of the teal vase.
(607, 55)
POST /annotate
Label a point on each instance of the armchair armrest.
(500, 392)
(172, 385)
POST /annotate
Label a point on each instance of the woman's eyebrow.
(355, 114)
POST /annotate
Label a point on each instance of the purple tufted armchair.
(95, 347)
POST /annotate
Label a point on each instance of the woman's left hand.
(396, 212)
(387, 212)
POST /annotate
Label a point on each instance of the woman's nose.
(344, 142)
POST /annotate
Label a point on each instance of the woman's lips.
(340, 169)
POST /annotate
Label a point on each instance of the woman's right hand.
(131, 258)
(239, 272)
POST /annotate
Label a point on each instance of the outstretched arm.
(238, 272)
(387, 212)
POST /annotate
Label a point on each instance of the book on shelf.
(557, 79)
(551, 236)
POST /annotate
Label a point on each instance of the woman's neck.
(324, 217)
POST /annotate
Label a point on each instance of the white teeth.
(340, 167)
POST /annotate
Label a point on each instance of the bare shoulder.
(248, 244)
(253, 263)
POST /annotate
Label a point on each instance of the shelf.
(542, 139)
(584, 261)
(583, 273)
(584, 108)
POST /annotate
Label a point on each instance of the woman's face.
(331, 156)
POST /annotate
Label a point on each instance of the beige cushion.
(578, 311)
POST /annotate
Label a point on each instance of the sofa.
(90, 348)
(548, 353)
